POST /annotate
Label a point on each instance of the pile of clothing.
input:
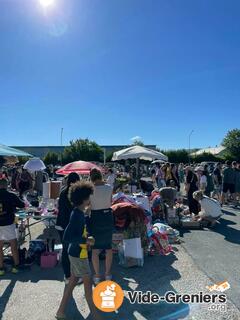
(159, 242)
(173, 234)
(137, 216)
(131, 218)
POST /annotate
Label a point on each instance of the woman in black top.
(191, 186)
(64, 211)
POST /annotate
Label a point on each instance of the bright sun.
(46, 3)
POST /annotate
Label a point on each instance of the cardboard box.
(55, 189)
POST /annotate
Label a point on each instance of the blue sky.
(110, 70)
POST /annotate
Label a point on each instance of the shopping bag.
(132, 248)
(131, 253)
(49, 259)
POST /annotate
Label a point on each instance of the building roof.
(214, 151)
(41, 151)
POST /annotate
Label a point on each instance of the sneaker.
(108, 277)
(2, 272)
(15, 270)
(96, 280)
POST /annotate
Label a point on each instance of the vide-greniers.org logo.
(171, 297)
(108, 296)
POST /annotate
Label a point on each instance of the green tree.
(138, 142)
(51, 158)
(226, 155)
(232, 143)
(82, 149)
(177, 156)
(23, 160)
(109, 156)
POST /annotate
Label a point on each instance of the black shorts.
(101, 228)
(228, 187)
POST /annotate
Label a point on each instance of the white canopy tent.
(158, 161)
(139, 152)
(34, 164)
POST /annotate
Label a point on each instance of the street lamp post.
(189, 145)
(61, 145)
(61, 137)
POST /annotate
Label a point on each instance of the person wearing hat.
(210, 208)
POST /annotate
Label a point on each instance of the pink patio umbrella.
(80, 167)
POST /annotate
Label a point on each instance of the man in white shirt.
(111, 178)
(210, 208)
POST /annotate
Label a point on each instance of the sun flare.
(46, 3)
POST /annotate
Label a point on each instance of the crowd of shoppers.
(85, 217)
(221, 182)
